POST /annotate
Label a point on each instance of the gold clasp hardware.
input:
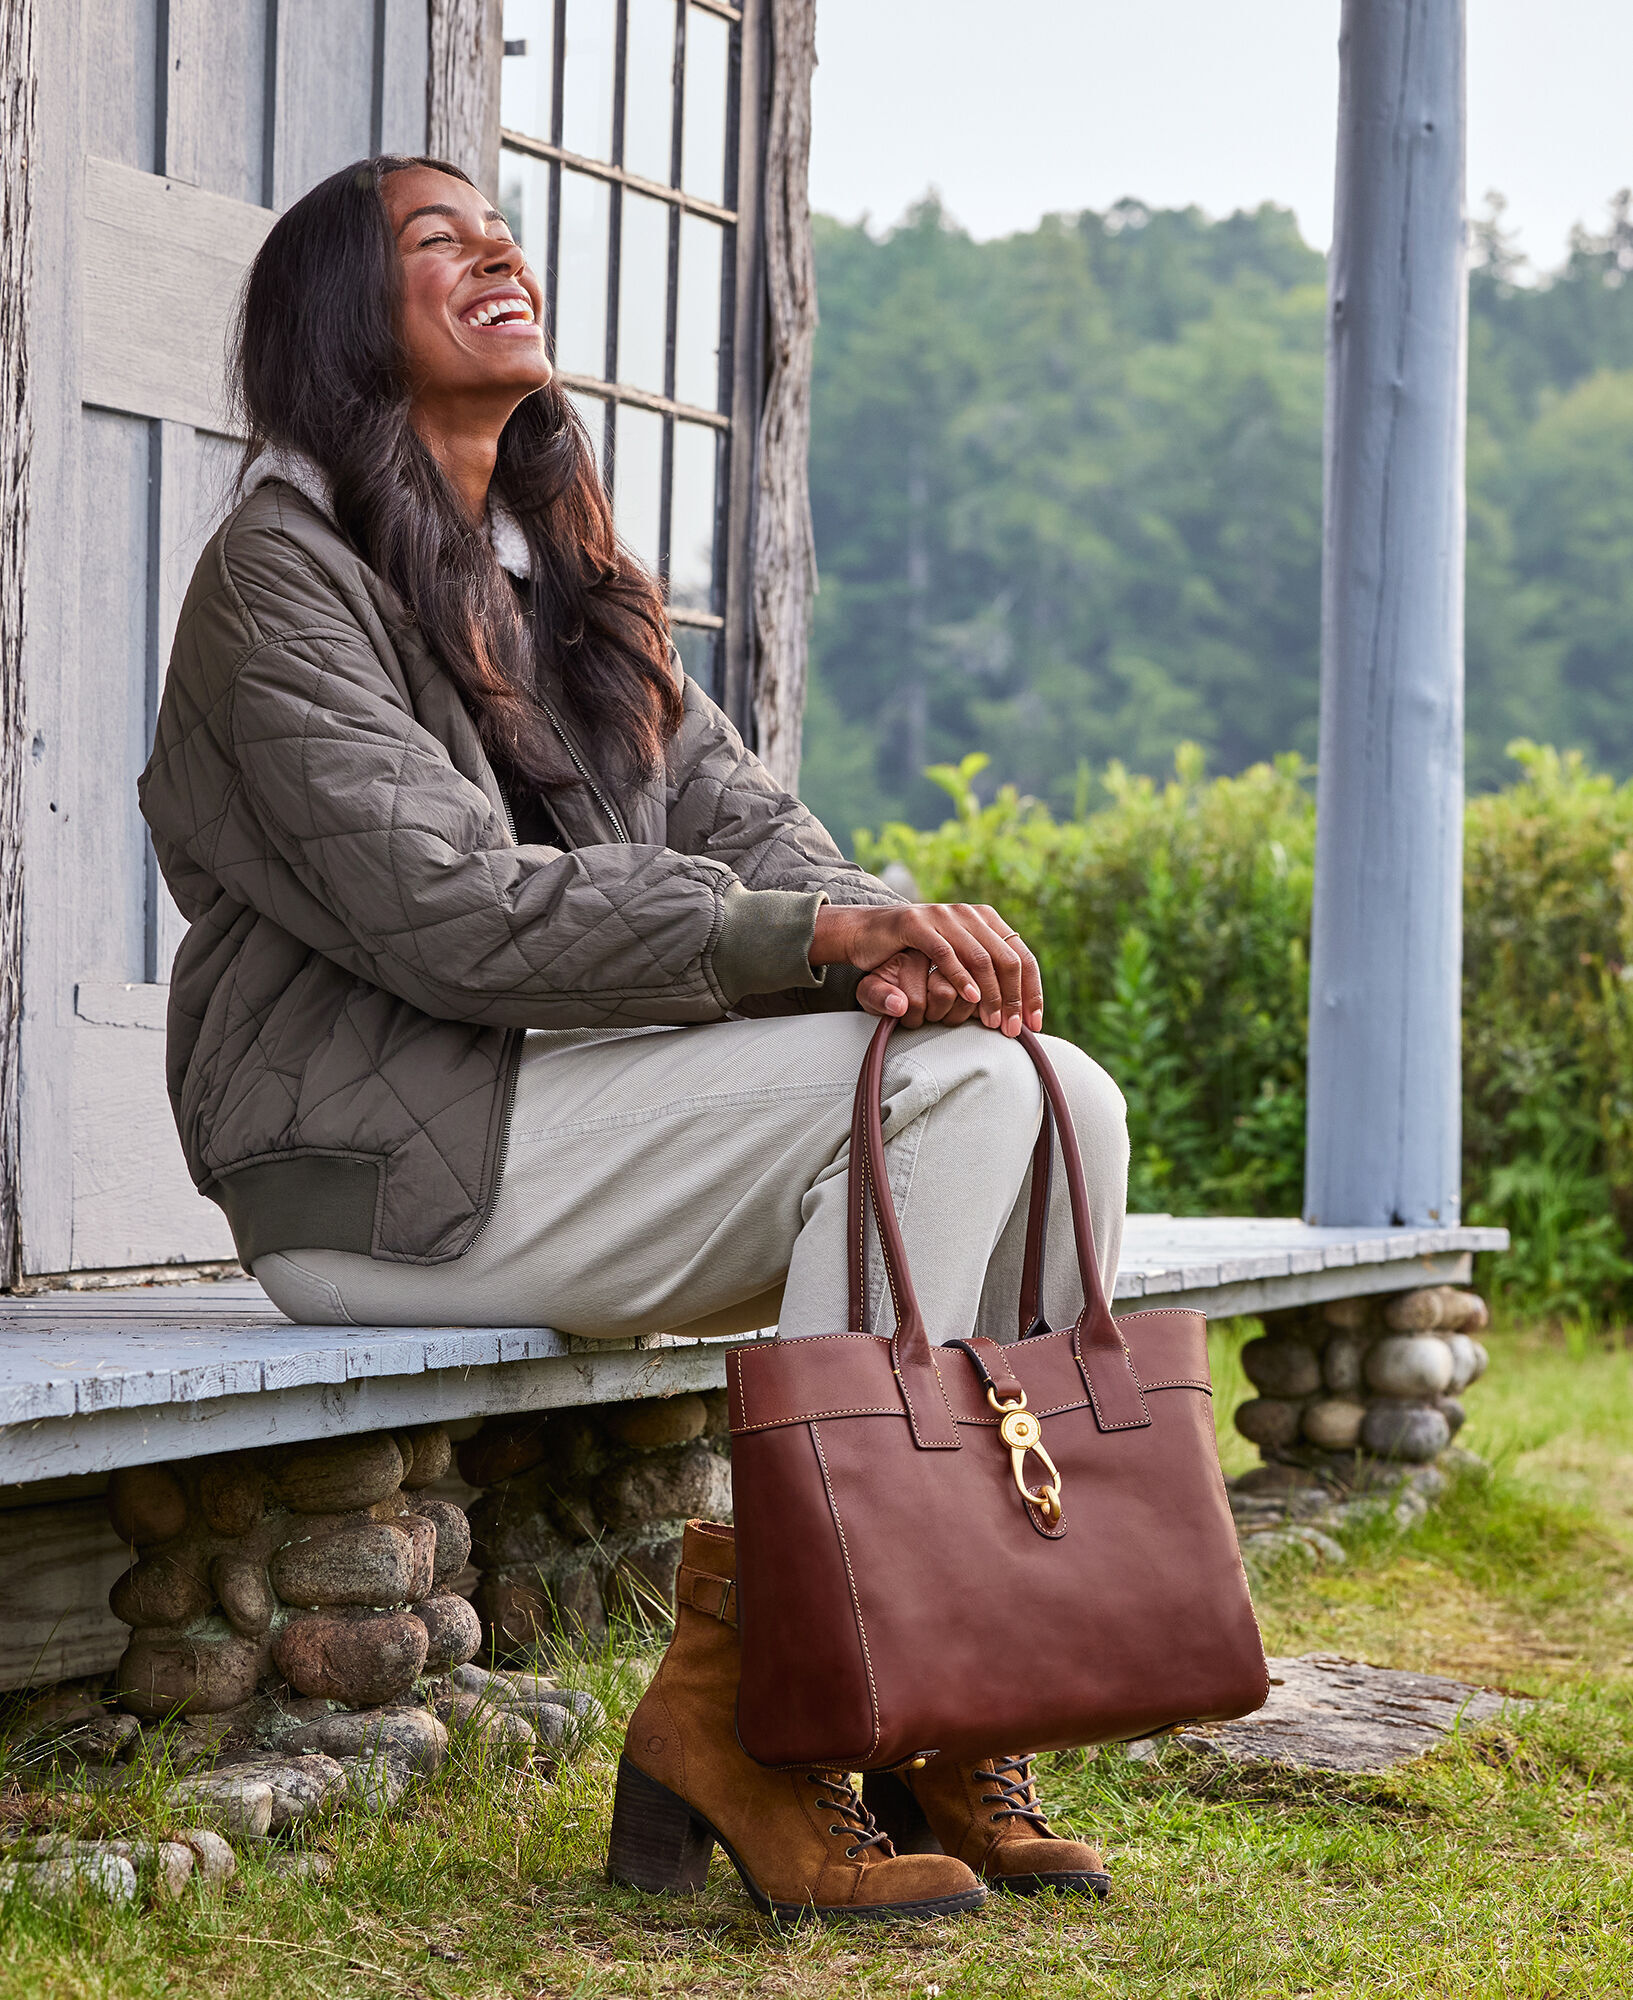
(1022, 1432)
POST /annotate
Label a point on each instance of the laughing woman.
(514, 990)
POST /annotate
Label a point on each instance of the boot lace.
(834, 1792)
(1017, 1793)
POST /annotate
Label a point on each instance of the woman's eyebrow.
(443, 208)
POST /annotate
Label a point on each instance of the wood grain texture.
(17, 114)
(784, 544)
(467, 48)
(57, 1564)
(1386, 948)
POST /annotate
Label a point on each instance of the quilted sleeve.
(397, 866)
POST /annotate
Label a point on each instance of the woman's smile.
(508, 310)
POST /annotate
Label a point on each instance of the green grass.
(1502, 1865)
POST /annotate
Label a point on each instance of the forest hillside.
(1067, 490)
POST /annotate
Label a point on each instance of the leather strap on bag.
(1114, 1389)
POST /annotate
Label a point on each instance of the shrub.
(1172, 924)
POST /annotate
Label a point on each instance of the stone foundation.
(1363, 1379)
(581, 1512)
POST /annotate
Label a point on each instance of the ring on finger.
(1008, 935)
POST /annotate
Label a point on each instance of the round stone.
(1414, 1432)
(453, 1630)
(360, 1661)
(244, 1593)
(412, 1737)
(501, 1730)
(303, 1787)
(1415, 1312)
(1334, 1423)
(453, 1550)
(502, 1448)
(372, 1562)
(1350, 1314)
(1270, 1424)
(1454, 1413)
(1482, 1360)
(1409, 1365)
(214, 1858)
(231, 1496)
(579, 1616)
(173, 1673)
(1282, 1368)
(1462, 1352)
(160, 1590)
(668, 1486)
(516, 1611)
(513, 1527)
(1341, 1360)
(717, 1426)
(433, 1453)
(333, 1478)
(422, 1536)
(146, 1504)
(642, 1584)
(657, 1421)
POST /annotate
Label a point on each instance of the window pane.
(525, 80)
(643, 292)
(594, 413)
(581, 295)
(637, 480)
(691, 519)
(649, 89)
(586, 83)
(697, 314)
(524, 197)
(703, 138)
(697, 651)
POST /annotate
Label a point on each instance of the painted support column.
(1386, 955)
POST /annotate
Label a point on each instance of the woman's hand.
(980, 960)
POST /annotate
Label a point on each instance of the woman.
(515, 992)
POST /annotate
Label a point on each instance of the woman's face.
(471, 306)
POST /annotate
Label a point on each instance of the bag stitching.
(850, 1576)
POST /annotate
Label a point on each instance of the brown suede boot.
(800, 1840)
(988, 1815)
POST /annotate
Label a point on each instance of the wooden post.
(16, 154)
(462, 91)
(1384, 1078)
(784, 547)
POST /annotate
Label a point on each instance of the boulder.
(234, 1803)
(453, 1632)
(339, 1475)
(146, 1504)
(1437, 1307)
(1285, 1369)
(504, 1447)
(433, 1453)
(169, 1673)
(717, 1425)
(517, 1611)
(453, 1549)
(244, 1593)
(1334, 1423)
(413, 1736)
(374, 1784)
(214, 1859)
(1410, 1431)
(642, 1583)
(162, 1589)
(667, 1486)
(360, 1661)
(657, 1420)
(1268, 1423)
(514, 1527)
(368, 1562)
(110, 1877)
(1341, 1361)
(1454, 1413)
(1351, 1314)
(303, 1787)
(1409, 1365)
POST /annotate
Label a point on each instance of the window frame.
(742, 308)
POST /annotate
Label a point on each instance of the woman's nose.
(504, 261)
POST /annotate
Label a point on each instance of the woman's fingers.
(1018, 972)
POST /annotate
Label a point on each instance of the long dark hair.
(320, 368)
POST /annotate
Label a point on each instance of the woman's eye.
(442, 236)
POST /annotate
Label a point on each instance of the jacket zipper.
(514, 1063)
(600, 797)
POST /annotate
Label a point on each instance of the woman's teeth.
(496, 311)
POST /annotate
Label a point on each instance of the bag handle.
(1108, 1374)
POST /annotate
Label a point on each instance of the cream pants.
(694, 1180)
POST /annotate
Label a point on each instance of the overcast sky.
(1012, 108)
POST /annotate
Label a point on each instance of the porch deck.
(91, 1380)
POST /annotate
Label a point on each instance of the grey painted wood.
(17, 111)
(57, 1564)
(404, 60)
(120, 81)
(1384, 1132)
(325, 92)
(216, 96)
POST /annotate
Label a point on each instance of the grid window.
(618, 177)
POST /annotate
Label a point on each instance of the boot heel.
(658, 1843)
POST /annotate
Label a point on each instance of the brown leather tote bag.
(976, 1548)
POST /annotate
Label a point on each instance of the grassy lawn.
(1502, 1865)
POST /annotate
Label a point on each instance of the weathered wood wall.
(784, 546)
(1384, 1096)
(467, 47)
(17, 109)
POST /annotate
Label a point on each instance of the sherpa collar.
(295, 469)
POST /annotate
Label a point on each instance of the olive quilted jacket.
(366, 940)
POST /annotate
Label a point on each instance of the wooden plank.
(127, 1004)
(1386, 944)
(466, 51)
(121, 80)
(162, 267)
(57, 1564)
(404, 64)
(1260, 1295)
(325, 92)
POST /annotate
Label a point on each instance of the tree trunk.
(784, 549)
(16, 149)
(462, 109)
